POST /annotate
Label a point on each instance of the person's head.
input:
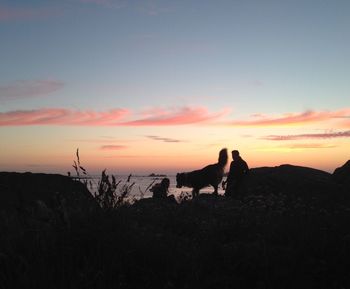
(165, 183)
(235, 154)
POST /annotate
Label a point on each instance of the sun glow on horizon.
(138, 91)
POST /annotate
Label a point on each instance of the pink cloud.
(115, 117)
(22, 89)
(327, 135)
(23, 13)
(291, 118)
(112, 147)
(176, 116)
(61, 116)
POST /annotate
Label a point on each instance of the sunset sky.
(161, 86)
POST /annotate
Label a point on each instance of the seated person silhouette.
(160, 190)
(238, 170)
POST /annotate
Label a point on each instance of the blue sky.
(232, 58)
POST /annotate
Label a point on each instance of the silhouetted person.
(238, 170)
(160, 190)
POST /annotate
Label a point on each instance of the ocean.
(144, 183)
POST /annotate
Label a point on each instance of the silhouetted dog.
(209, 175)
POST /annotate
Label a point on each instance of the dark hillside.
(289, 228)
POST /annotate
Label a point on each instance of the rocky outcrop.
(342, 175)
(291, 181)
(25, 189)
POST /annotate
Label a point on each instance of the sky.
(161, 86)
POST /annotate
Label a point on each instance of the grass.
(205, 243)
(110, 194)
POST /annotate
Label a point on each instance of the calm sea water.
(144, 183)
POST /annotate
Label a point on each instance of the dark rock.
(25, 189)
(342, 175)
(289, 180)
(156, 175)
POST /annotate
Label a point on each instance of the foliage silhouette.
(267, 239)
(110, 194)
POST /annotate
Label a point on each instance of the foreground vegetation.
(264, 241)
(269, 237)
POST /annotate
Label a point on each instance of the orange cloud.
(112, 147)
(95, 140)
(292, 118)
(308, 136)
(311, 146)
(61, 116)
(346, 123)
(164, 139)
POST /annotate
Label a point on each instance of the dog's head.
(180, 180)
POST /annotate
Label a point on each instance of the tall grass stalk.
(110, 193)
